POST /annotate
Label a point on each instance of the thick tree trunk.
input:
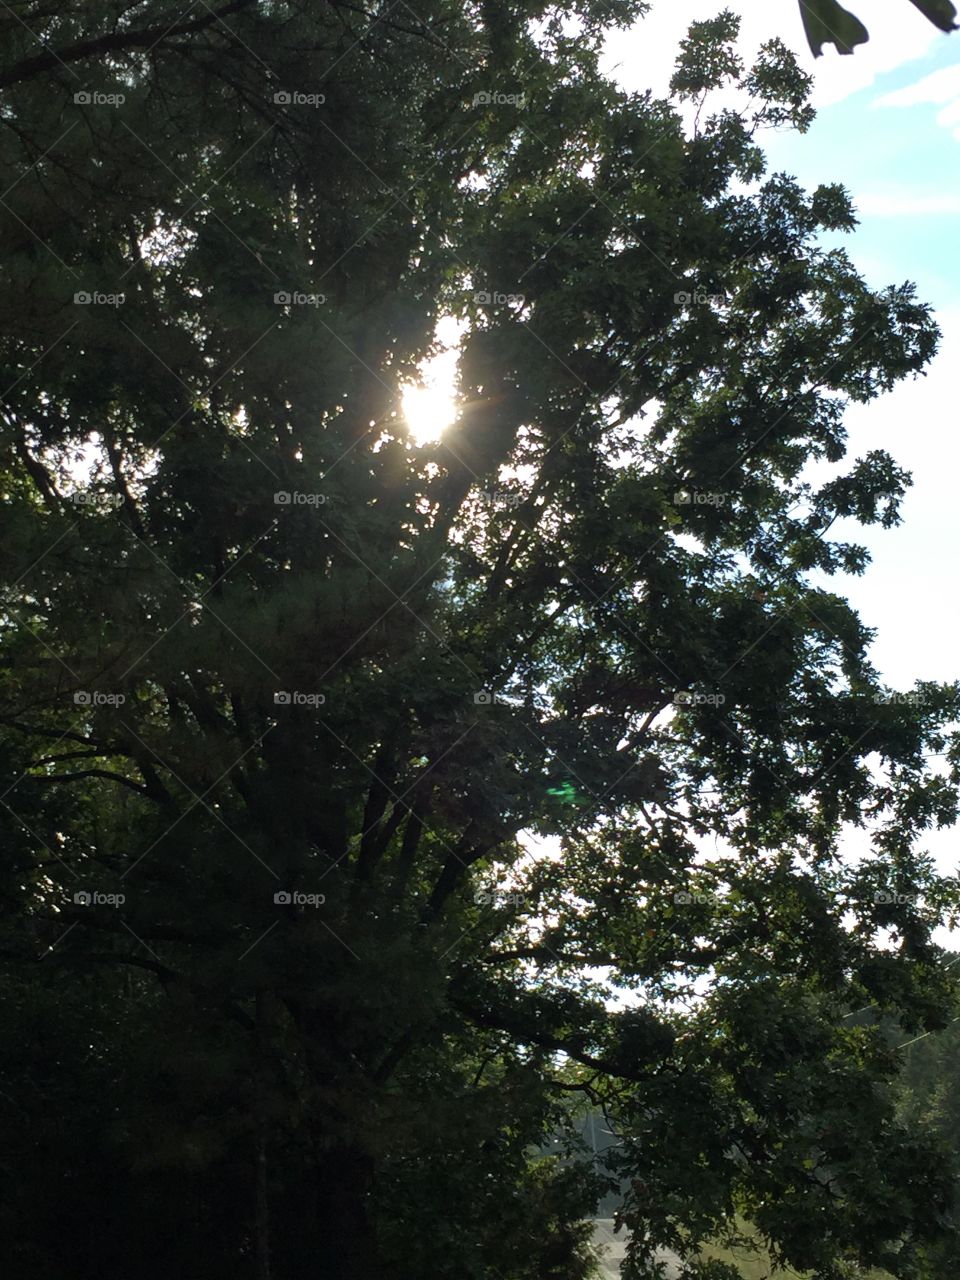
(340, 1238)
(261, 1215)
(262, 1207)
(346, 1233)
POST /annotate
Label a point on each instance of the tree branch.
(113, 42)
(93, 773)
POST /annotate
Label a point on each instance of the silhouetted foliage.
(289, 698)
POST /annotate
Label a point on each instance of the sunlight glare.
(430, 406)
(429, 410)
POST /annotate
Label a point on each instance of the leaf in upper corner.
(940, 12)
(827, 22)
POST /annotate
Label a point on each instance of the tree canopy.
(373, 807)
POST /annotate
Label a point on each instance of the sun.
(430, 404)
(429, 410)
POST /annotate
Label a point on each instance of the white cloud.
(942, 88)
(906, 204)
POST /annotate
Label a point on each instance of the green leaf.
(940, 12)
(827, 22)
